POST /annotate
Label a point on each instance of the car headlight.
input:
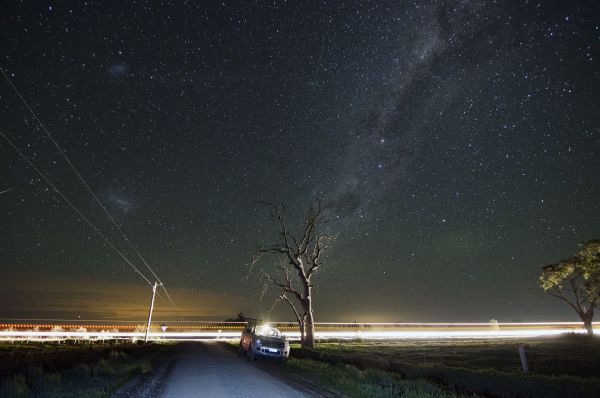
(258, 341)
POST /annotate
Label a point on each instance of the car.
(263, 341)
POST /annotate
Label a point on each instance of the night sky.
(457, 142)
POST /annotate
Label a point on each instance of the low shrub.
(486, 382)
(355, 383)
(95, 376)
(503, 384)
(14, 386)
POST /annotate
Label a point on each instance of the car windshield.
(272, 332)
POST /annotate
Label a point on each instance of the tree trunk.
(587, 323)
(309, 338)
(309, 325)
(302, 330)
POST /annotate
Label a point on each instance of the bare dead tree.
(292, 278)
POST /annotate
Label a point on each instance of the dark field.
(565, 366)
(69, 370)
(576, 355)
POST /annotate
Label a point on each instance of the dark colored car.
(264, 341)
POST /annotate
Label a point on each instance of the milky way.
(457, 143)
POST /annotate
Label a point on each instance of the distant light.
(333, 330)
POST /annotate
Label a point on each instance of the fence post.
(523, 358)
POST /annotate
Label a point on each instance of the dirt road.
(210, 369)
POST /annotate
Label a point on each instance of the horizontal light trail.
(223, 330)
(100, 324)
(114, 335)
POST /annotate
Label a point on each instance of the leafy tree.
(293, 277)
(576, 281)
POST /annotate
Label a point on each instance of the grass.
(370, 383)
(59, 370)
(504, 384)
(574, 355)
(566, 366)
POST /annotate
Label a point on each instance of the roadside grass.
(370, 383)
(54, 370)
(571, 354)
(492, 383)
(487, 367)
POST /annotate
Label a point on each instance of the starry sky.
(457, 143)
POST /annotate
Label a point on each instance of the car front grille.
(273, 344)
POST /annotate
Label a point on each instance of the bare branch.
(286, 285)
(296, 313)
(296, 244)
(317, 251)
(306, 236)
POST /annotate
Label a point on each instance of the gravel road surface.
(210, 369)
